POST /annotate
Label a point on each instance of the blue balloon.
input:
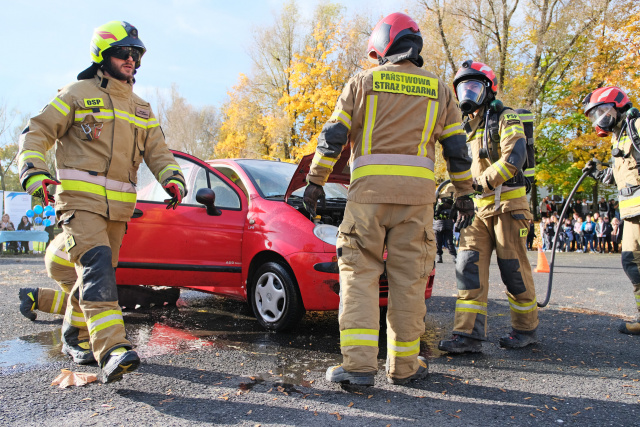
(49, 211)
(30, 213)
(38, 220)
(46, 223)
(38, 209)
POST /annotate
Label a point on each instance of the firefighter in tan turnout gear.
(392, 115)
(498, 147)
(611, 112)
(101, 132)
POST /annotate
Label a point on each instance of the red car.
(241, 232)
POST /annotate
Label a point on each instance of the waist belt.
(628, 191)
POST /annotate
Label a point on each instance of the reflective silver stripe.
(429, 125)
(95, 323)
(60, 105)
(638, 300)
(99, 115)
(369, 122)
(109, 184)
(460, 176)
(450, 130)
(56, 307)
(392, 159)
(496, 199)
(515, 306)
(61, 254)
(491, 193)
(415, 347)
(473, 306)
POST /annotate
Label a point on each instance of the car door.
(185, 247)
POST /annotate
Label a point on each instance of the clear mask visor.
(603, 115)
(471, 90)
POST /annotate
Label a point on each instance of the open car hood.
(341, 173)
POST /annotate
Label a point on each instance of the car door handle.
(137, 213)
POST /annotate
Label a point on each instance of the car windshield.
(272, 179)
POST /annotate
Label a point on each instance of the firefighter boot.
(337, 374)
(28, 302)
(631, 328)
(459, 344)
(80, 353)
(519, 339)
(119, 362)
(439, 259)
(421, 373)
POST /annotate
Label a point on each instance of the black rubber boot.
(439, 259)
(28, 302)
(121, 361)
(519, 339)
(459, 344)
(421, 373)
(337, 374)
(631, 328)
(80, 353)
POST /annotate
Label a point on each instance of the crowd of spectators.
(592, 229)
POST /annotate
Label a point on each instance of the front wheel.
(276, 301)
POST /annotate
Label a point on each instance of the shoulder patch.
(511, 116)
(93, 102)
(143, 112)
(404, 83)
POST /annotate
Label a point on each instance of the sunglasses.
(125, 52)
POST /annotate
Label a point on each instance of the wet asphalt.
(207, 361)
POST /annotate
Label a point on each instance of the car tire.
(275, 298)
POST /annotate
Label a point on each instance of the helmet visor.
(471, 90)
(603, 116)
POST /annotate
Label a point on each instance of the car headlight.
(327, 233)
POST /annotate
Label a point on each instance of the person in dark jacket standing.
(531, 235)
(443, 225)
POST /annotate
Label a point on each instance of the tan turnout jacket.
(625, 172)
(101, 131)
(511, 155)
(392, 115)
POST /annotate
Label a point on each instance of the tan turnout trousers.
(63, 271)
(631, 255)
(407, 233)
(93, 243)
(507, 233)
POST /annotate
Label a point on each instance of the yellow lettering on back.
(412, 84)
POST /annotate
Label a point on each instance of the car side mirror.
(207, 197)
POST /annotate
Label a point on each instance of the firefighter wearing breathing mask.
(392, 115)
(101, 132)
(611, 113)
(498, 148)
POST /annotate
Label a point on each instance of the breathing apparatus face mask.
(471, 94)
(604, 118)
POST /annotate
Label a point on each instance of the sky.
(200, 45)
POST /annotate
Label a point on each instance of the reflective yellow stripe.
(88, 187)
(325, 162)
(369, 122)
(511, 130)
(638, 300)
(460, 176)
(104, 320)
(343, 117)
(502, 169)
(468, 306)
(392, 170)
(522, 307)
(403, 348)
(429, 125)
(27, 154)
(526, 118)
(60, 105)
(505, 195)
(56, 306)
(529, 172)
(76, 319)
(364, 337)
(452, 129)
(478, 132)
(628, 203)
(140, 122)
(169, 168)
(58, 260)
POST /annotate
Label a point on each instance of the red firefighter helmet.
(476, 71)
(388, 31)
(604, 108)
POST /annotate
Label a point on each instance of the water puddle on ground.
(214, 323)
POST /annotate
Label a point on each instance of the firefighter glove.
(463, 212)
(176, 190)
(312, 193)
(590, 168)
(605, 176)
(36, 185)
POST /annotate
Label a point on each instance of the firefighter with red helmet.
(497, 143)
(101, 132)
(611, 113)
(392, 115)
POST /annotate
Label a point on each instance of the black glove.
(590, 168)
(605, 176)
(463, 212)
(312, 193)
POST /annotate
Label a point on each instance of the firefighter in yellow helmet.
(497, 142)
(392, 115)
(611, 112)
(101, 132)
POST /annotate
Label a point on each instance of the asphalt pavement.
(207, 361)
